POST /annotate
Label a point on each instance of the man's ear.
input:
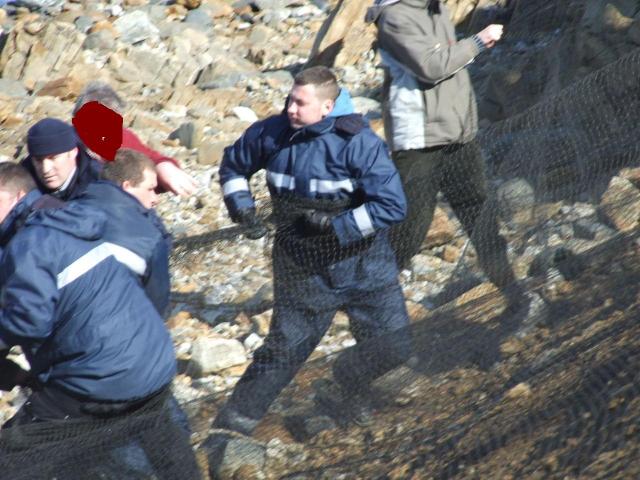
(327, 106)
(126, 185)
(21, 193)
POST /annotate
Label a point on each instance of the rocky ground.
(557, 399)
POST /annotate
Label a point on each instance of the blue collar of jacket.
(111, 194)
(350, 124)
(112, 197)
(17, 216)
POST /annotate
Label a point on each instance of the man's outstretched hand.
(490, 35)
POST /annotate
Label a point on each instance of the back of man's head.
(135, 173)
(322, 78)
(102, 92)
(127, 166)
(15, 178)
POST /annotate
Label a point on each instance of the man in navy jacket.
(57, 160)
(334, 191)
(127, 196)
(96, 345)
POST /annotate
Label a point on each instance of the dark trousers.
(156, 424)
(458, 172)
(365, 286)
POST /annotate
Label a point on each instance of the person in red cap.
(170, 177)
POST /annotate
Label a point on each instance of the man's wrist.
(479, 43)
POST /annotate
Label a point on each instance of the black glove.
(12, 374)
(254, 227)
(316, 223)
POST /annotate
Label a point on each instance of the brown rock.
(621, 204)
(511, 346)
(65, 88)
(416, 311)
(175, 11)
(400, 472)
(631, 174)
(344, 37)
(210, 153)
(521, 390)
(486, 291)
(53, 54)
(441, 230)
(262, 322)
(105, 25)
(180, 319)
(189, 4)
(219, 8)
(143, 121)
(450, 253)
(135, 3)
(235, 371)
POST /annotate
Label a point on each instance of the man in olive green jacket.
(431, 122)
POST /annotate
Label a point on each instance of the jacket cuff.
(479, 43)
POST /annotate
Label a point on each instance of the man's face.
(305, 107)
(8, 200)
(54, 170)
(145, 191)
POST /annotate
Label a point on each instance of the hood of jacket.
(343, 105)
(125, 213)
(80, 221)
(17, 216)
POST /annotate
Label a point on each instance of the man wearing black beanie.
(57, 161)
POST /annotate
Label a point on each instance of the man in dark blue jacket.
(57, 160)
(96, 345)
(127, 196)
(334, 191)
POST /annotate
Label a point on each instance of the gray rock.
(245, 114)
(211, 355)
(135, 27)
(269, 4)
(101, 40)
(515, 195)
(171, 29)
(241, 452)
(83, 23)
(188, 134)
(12, 88)
(585, 228)
(224, 81)
(200, 19)
(274, 18)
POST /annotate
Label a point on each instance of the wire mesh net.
(522, 362)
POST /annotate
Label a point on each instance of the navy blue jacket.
(140, 231)
(335, 160)
(70, 300)
(87, 171)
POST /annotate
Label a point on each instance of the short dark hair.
(98, 91)
(322, 78)
(128, 165)
(14, 177)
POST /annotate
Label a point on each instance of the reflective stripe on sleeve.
(96, 255)
(235, 185)
(363, 220)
